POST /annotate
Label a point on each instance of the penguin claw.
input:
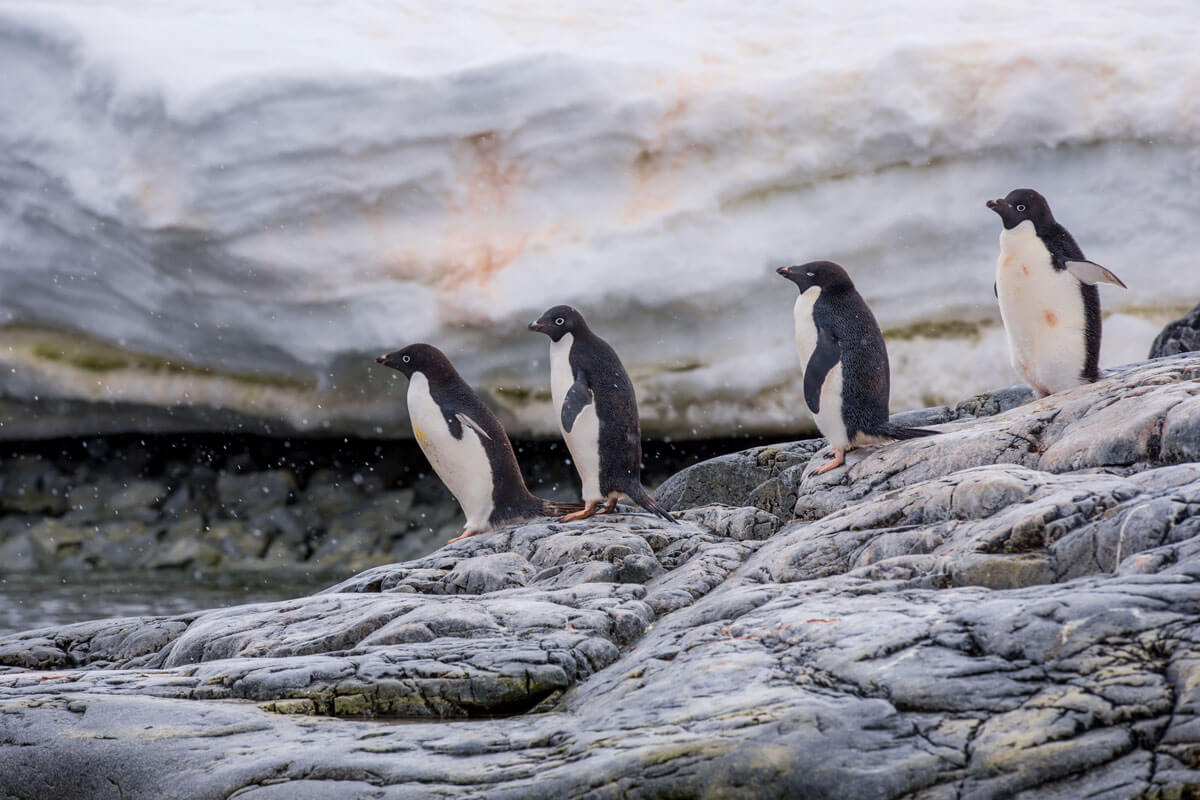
(839, 458)
(464, 535)
(588, 510)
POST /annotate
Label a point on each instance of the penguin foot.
(588, 510)
(609, 506)
(466, 534)
(839, 458)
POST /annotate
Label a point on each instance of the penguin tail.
(551, 508)
(900, 432)
(640, 496)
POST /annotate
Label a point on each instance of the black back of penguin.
(616, 406)
(454, 396)
(866, 377)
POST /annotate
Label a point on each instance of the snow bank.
(215, 216)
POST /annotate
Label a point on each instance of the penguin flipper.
(472, 424)
(825, 357)
(1091, 273)
(579, 397)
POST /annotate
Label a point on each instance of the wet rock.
(246, 494)
(119, 545)
(187, 552)
(18, 554)
(289, 524)
(236, 539)
(1009, 609)
(31, 484)
(1180, 336)
(195, 494)
(54, 540)
(416, 542)
(124, 482)
(136, 496)
(329, 494)
(355, 549)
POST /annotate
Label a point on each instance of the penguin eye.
(1020, 206)
(559, 321)
(406, 359)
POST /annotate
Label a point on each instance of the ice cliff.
(212, 215)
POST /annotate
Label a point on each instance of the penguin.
(597, 412)
(844, 361)
(465, 443)
(1048, 297)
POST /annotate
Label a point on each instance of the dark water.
(37, 601)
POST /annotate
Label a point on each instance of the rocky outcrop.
(1009, 609)
(1181, 336)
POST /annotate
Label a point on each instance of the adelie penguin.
(1048, 296)
(844, 361)
(597, 412)
(465, 443)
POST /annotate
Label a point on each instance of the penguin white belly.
(829, 417)
(583, 440)
(805, 328)
(1043, 313)
(462, 464)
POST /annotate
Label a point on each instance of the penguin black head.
(1021, 205)
(824, 274)
(424, 358)
(558, 321)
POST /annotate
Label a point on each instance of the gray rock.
(136, 496)
(185, 552)
(730, 479)
(765, 477)
(54, 540)
(329, 494)
(31, 484)
(18, 554)
(237, 540)
(357, 548)
(1180, 336)
(243, 495)
(1009, 609)
(121, 544)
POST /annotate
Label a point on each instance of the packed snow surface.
(215, 214)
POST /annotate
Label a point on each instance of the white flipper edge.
(1091, 273)
(472, 424)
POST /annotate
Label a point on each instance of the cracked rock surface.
(1009, 609)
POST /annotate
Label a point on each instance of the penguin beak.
(389, 360)
(1008, 214)
(784, 271)
(535, 326)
